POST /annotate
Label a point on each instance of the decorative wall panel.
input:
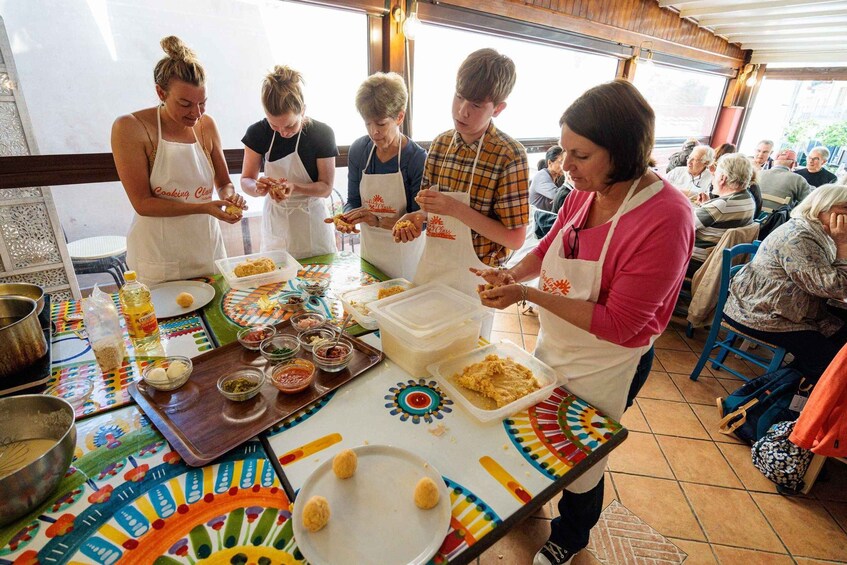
(32, 245)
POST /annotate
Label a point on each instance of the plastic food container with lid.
(426, 324)
(286, 269)
(357, 301)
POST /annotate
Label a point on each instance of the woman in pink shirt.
(609, 274)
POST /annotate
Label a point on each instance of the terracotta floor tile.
(838, 510)
(698, 461)
(738, 455)
(660, 503)
(807, 561)
(585, 558)
(609, 492)
(506, 323)
(699, 553)
(681, 362)
(733, 555)
(529, 324)
(633, 419)
(730, 517)
(640, 455)
(671, 340)
(671, 418)
(702, 391)
(529, 342)
(709, 417)
(804, 525)
(515, 338)
(657, 365)
(519, 545)
(730, 384)
(660, 386)
(831, 482)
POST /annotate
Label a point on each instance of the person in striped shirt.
(733, 208)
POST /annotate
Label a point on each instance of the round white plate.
(373, 517)
(164, 296)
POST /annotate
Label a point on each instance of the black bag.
(751, 410)
(774, 220)
(780, 460)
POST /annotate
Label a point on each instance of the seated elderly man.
(814, 173)
(695, 177)
(733, 208)
(679, 158)
(780, 182)
(781, 296)
(762, 158)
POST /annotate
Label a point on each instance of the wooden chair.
(727, 344)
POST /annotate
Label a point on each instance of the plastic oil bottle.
(141, 323)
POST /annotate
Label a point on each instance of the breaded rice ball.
(426, 494)
(316, 513)
(344, 464)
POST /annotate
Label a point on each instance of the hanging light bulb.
(412, 24)
(649, 61)
(753, 79)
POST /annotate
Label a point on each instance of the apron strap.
(615, 219)
(373, 147)
(475, 161)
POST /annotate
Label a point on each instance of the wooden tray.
(201, 424)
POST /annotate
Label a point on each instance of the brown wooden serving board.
(201, 424)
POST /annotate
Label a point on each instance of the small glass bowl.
(293, 376)
(174, 378)
(252, 337)
(279, 348)
(308, 338)
(333, 358)
(292, 303)
(252, 381)
(75, 390)
(315, 287)
(307, 321)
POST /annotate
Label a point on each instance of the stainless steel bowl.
(26, 290)
(22, 341)
(27, 417)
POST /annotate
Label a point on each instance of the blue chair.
(727, 344)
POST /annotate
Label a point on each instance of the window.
(548, 80)
(686, 102)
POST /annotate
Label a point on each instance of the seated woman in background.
(170, 175)
(546, 182)
(383, 177)
(780, 296)
(733, 208)
(299, 156)
(724, 149)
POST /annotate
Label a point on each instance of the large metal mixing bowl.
(24, 289)
(35, 416)
(22, 341)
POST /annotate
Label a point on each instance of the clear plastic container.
(140, 316)
(286, 269)
(426, 324)
(483, 408)
(356, 301)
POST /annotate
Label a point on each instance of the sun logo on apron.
(435, 228)
(378, 206)
(561, 286)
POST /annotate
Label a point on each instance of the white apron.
(296, 224)
(385, 196)
(598, 371)
(179, 247)
(448, 252)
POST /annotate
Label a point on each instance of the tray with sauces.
(245, 387)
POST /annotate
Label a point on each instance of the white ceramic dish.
(364, 296)
(484, 409)
(164, 296)
(286, 269)
(366, 509)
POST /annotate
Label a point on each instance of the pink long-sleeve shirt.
(645, 263)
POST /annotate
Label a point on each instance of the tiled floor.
(692, 484)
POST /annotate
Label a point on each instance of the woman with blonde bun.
(170, 175)
(299, 156)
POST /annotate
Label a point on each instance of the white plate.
(373, 517)
(485, 409)
(164, 296)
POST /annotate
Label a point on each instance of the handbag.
(781, 461)
(751, 410)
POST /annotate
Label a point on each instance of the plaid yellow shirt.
(500, 188)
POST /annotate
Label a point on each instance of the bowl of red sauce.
(252, 337)
(293, 376)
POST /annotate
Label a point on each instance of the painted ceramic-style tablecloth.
(128, 498)
(492, 470)
(73, 358)
(234, 309)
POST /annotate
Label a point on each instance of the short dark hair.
(616, 117)
(551, 155)
(486, 75)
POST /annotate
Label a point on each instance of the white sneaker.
(553, 554)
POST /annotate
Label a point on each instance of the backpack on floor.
(779, 460)
(752, 409)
